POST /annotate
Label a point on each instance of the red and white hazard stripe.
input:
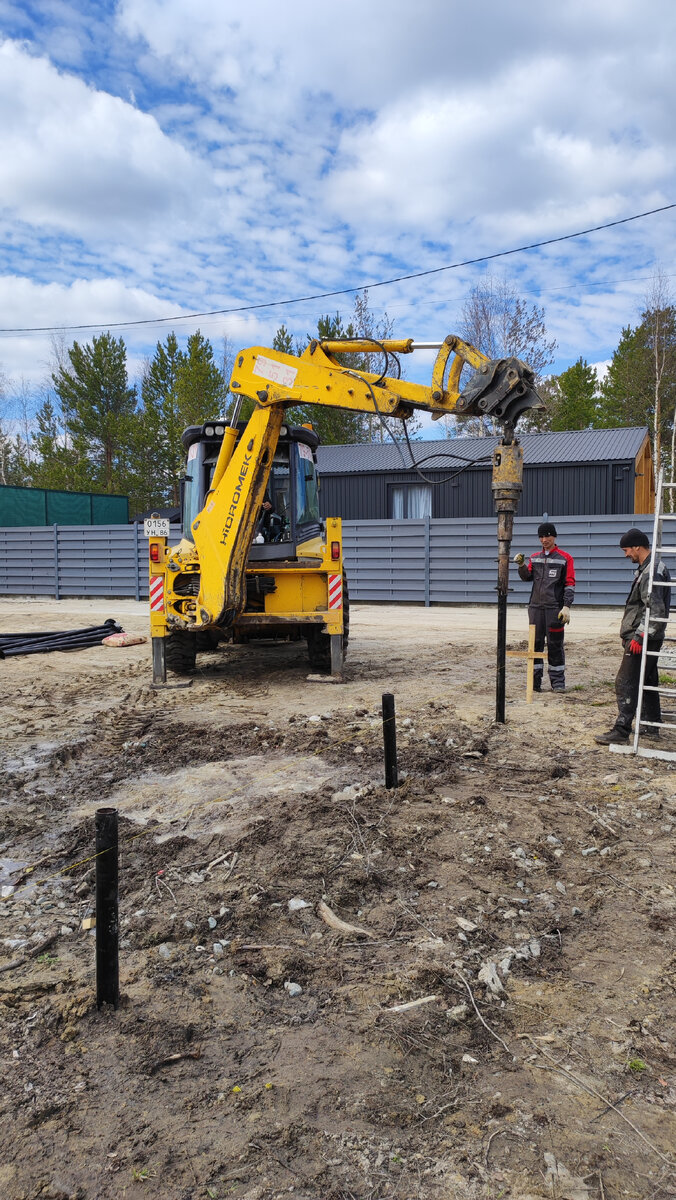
(335, 591)
(156, 593)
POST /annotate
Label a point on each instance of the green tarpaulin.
(40, 506)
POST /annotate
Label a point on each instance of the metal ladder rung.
(644, 752)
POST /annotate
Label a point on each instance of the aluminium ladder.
(666, 657)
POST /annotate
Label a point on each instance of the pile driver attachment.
(503, 388)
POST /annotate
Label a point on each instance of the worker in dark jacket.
(633, 632)
(552, 573)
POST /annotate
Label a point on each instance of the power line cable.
(221, 312)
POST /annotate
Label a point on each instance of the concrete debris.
(560, 1182)
(489, 975)
(458, 1013)
(294, 989)
(296, 904)
(468, 926)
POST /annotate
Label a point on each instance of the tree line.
(95, 430)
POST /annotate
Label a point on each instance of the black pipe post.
(500, 683)
(390, 742)
(107, 926)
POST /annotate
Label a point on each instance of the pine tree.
(98, 406)
(283, 341)
(54, 462)
(159, 450)
(625, 389)
(577, 400)
(14, 465)
(200, 390)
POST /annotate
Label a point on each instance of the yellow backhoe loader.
(256, 560)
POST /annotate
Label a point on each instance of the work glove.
(564, 615)
(636, 644)
(519, 559)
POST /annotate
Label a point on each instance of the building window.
(410, 501)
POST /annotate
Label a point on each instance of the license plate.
(156, 527)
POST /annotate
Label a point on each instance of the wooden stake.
(530, 655)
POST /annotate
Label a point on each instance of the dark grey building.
(600, 471)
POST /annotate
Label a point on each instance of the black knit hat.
(546, 529)
(634, 537)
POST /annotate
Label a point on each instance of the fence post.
(427, 561)
(137, 572)
(56, 563)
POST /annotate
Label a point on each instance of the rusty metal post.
(507, 487)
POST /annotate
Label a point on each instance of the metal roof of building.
(577, 446)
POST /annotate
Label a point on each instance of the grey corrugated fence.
(419, 562)
(74, 560)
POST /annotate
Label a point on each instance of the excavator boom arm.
(500, 388)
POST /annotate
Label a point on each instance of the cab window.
(307, 498)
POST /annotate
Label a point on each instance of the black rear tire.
(181, 651)
(319, 644)
(206, 640)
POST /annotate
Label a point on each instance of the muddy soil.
(499, 1022)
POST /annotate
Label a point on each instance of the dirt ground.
(501, 1022)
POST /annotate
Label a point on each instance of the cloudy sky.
(161, 158)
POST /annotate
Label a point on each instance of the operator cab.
(292, 490)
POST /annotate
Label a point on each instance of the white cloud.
(80, 160)
(188, 157)
(517, 153)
